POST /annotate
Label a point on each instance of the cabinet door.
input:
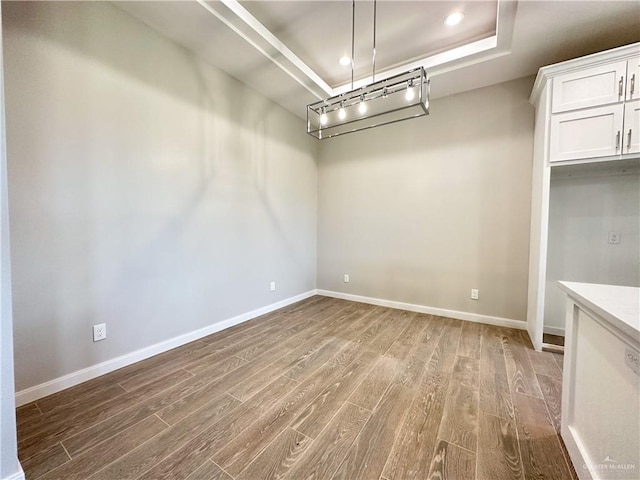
(589, 88)
(594, 132)
(631, 136)
(633, 78)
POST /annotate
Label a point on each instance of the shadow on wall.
(81, 29)
(219, 98)
(447, 196)
(143, 182)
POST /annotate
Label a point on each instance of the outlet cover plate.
(99, 332)
(632, 359)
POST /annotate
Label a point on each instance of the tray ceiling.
(289, 50)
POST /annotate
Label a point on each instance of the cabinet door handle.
(633, 85)
(629, 140)
(620, 88)
(618, 140)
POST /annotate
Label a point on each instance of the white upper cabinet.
(631, 135)
(592, 110)
(589, 88)
(596, 132)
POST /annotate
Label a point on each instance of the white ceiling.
(319, 32)
(289, 50)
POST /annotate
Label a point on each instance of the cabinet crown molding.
(625, 52)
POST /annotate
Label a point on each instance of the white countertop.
(618, 305)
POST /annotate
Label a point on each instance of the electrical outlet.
(346, 278)
(632, 359)
(99, 332)
(273, 286)
(474, 294)
(614, 238)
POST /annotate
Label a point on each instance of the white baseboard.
(554, 330)
(38, 391)
(19, 475)
(467, 316)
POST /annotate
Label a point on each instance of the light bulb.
(362, 108)
(410, 95)
(345, 60)
(323, 118)
(342, 114)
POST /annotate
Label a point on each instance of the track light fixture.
(390, 100)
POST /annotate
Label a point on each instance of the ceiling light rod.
(353, 36)
(373, 61)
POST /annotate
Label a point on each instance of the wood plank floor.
(322, 389)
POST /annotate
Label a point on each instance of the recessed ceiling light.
(345, 60)
(454, 18)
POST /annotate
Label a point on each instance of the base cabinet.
(600, 418)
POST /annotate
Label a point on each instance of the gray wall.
(583, 209)
(8, 443)
(424, 210)
(147, 190)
